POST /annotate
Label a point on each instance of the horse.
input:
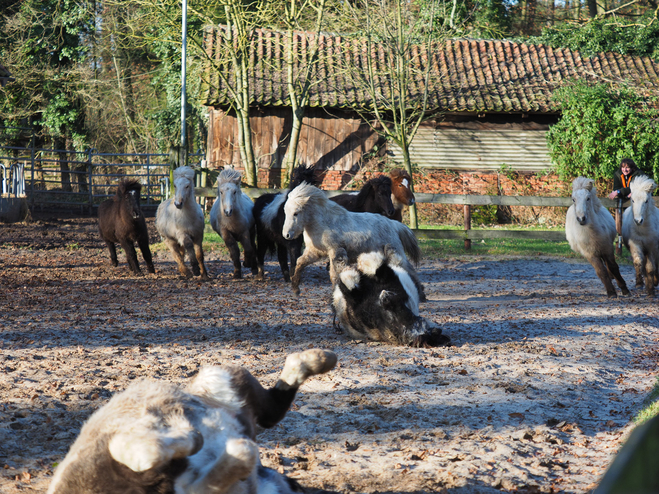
(161, 437)
(180, 222)
(269, 217)
(231, 217)
(374, 197)
(376, 299)
(401, 193)
(640, 232)
(590, 230)
(327, 227)
(120, 220)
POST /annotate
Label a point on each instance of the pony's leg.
(268, 406)
(234, 252)
(649, 276)
(131, 256)
(247, 241)
(189, 247)
(294, 252)
(309, 257)
(177, 252)
(199, 255)
(638, 260)
(143, 243)
(113, 253)
(282, 256)
(603, 274)
(261, 249)
(613, 268)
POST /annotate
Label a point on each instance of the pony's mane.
(583, 183)
(185, 172)
(307, 191)
(302, 173)
(128, 184)
(399, 173)
(643, 183)
(378, 181)
(229, 175)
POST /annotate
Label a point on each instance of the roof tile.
(466, 75)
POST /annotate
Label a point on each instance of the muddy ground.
(535, 395)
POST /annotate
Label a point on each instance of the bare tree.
(300, 68)
(394, 69)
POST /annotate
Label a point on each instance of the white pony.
(232, 218)
(328, 227)
(640, 232)
(180, 222)
(590, 230)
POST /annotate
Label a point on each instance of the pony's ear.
(588, 184)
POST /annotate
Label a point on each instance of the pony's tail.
(410, 243)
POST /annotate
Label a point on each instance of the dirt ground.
(535, 395)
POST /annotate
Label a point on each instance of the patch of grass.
(650, 406)
(212, 242)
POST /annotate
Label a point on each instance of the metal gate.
(66, 180)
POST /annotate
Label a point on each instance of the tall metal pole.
(184, 149)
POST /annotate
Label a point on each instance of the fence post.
(467, 216)
(33, 156)
(90, 173)
(619, 225)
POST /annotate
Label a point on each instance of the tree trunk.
(414, 224)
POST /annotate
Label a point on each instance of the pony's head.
(642, 188)
(184, 184)
(400, 187)
(129, 191)
(380, 189)
(584, 198)
(297, 208)
(228, 190)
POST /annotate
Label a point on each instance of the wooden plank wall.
(335, 142)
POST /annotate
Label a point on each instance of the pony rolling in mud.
(374, 197)
(231, 217)
(328, 227)
(640, 232)
(120, 220)
(180, 222)
(376, 299)
(162, 438)
(401, 192)
(590, 230)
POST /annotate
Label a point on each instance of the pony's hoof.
(612, 295)
(237, 276)
(626, 292)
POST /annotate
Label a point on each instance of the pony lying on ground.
(401, 193)
(640, 232)
(120, 220)
(590, 230)
(328, 227)
(374, 197)
(160, 438)
(180, 222)
(269, 216)
(376, 299)
(231, 217)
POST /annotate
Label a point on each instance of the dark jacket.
(623, 188)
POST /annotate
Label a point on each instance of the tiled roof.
(467, 75)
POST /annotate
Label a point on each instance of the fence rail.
(467, 200)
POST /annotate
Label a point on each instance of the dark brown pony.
(120, 220)
(401, 194)
(374, 197)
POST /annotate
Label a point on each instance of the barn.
(490, 102)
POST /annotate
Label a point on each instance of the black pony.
(269, 217)
(374, 197)
(120, 220)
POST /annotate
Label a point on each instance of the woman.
(623, 177)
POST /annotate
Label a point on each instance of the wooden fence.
(467, 234)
